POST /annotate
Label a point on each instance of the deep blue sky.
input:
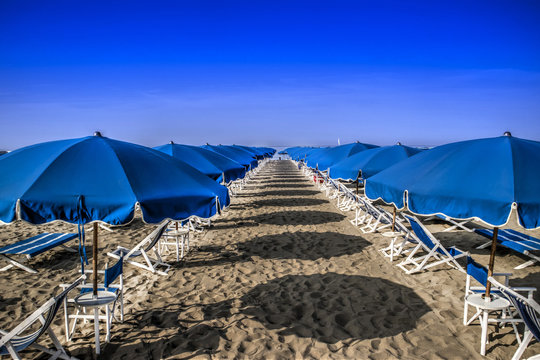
(269, 72)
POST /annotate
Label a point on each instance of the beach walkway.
(285, 275)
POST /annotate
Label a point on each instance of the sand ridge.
(281, 275)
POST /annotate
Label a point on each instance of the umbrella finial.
(507, 133)
(398, 143)
(98, 133)
(171, 142)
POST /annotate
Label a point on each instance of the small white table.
(177, 235)
(496, 303)
(103, 298)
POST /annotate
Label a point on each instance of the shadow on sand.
(286, 202)
(329, 308)
(283, 218)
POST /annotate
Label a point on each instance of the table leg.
(177, 258)
(182, 256)
(108, 315)
(96, 329)
(484, 333)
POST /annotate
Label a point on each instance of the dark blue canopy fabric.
(478, 178)
(371, 161)
(100, 179)
(301, 152)
(326, 157)
(239, 155)
(268, 152)
(206, 161)
(259, 155)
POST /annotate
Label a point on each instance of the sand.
(281, 275)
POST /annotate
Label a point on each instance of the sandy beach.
(282, 274)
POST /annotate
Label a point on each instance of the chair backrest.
(529, 310)
(51, 306)
(420, 231)
(156, 235)
(113, 272)
(477, 271)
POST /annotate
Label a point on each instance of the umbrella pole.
(94, 257)
(491, 260)
(394, 220)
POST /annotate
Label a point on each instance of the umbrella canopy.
(241, 156)
(301, 152)
(258, 154)
(326, 157)
(484, 178)
(99, 179)
(268, 152)
(210, 163)
(369, 162)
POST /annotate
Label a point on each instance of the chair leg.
(524, 343)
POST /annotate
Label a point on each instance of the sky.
(269, 73)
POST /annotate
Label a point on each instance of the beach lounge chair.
(34, 246)
(528, 309)
(377, 220)
(436, 253)
(113, 282)
(18, 339)
(361, 212)
(480, 274)
(456, 224)
(400, 239)
(141, 251)
(516, 241)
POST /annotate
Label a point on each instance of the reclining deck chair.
(436, 253)
(17, 340)
(480, 274)
(34, 246)
(110, 275)
(151, 242)
(528, 309)
(400, 239)
(516, 241)
(361, 212)
(377, 219)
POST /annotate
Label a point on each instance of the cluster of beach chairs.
(168, 238)
(415, 249)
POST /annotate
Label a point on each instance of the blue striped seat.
(34, 246)
(516, 241)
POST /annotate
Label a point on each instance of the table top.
(88, 299)
(392, 233)
(176, 232)
(496, 303)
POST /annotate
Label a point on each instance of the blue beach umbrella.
(210, 163)
(96, 179)
(370, 162)
(258, 154)
(302, 152)
(326, 157)
(239, 155)
(484, 178)
(268, 152)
